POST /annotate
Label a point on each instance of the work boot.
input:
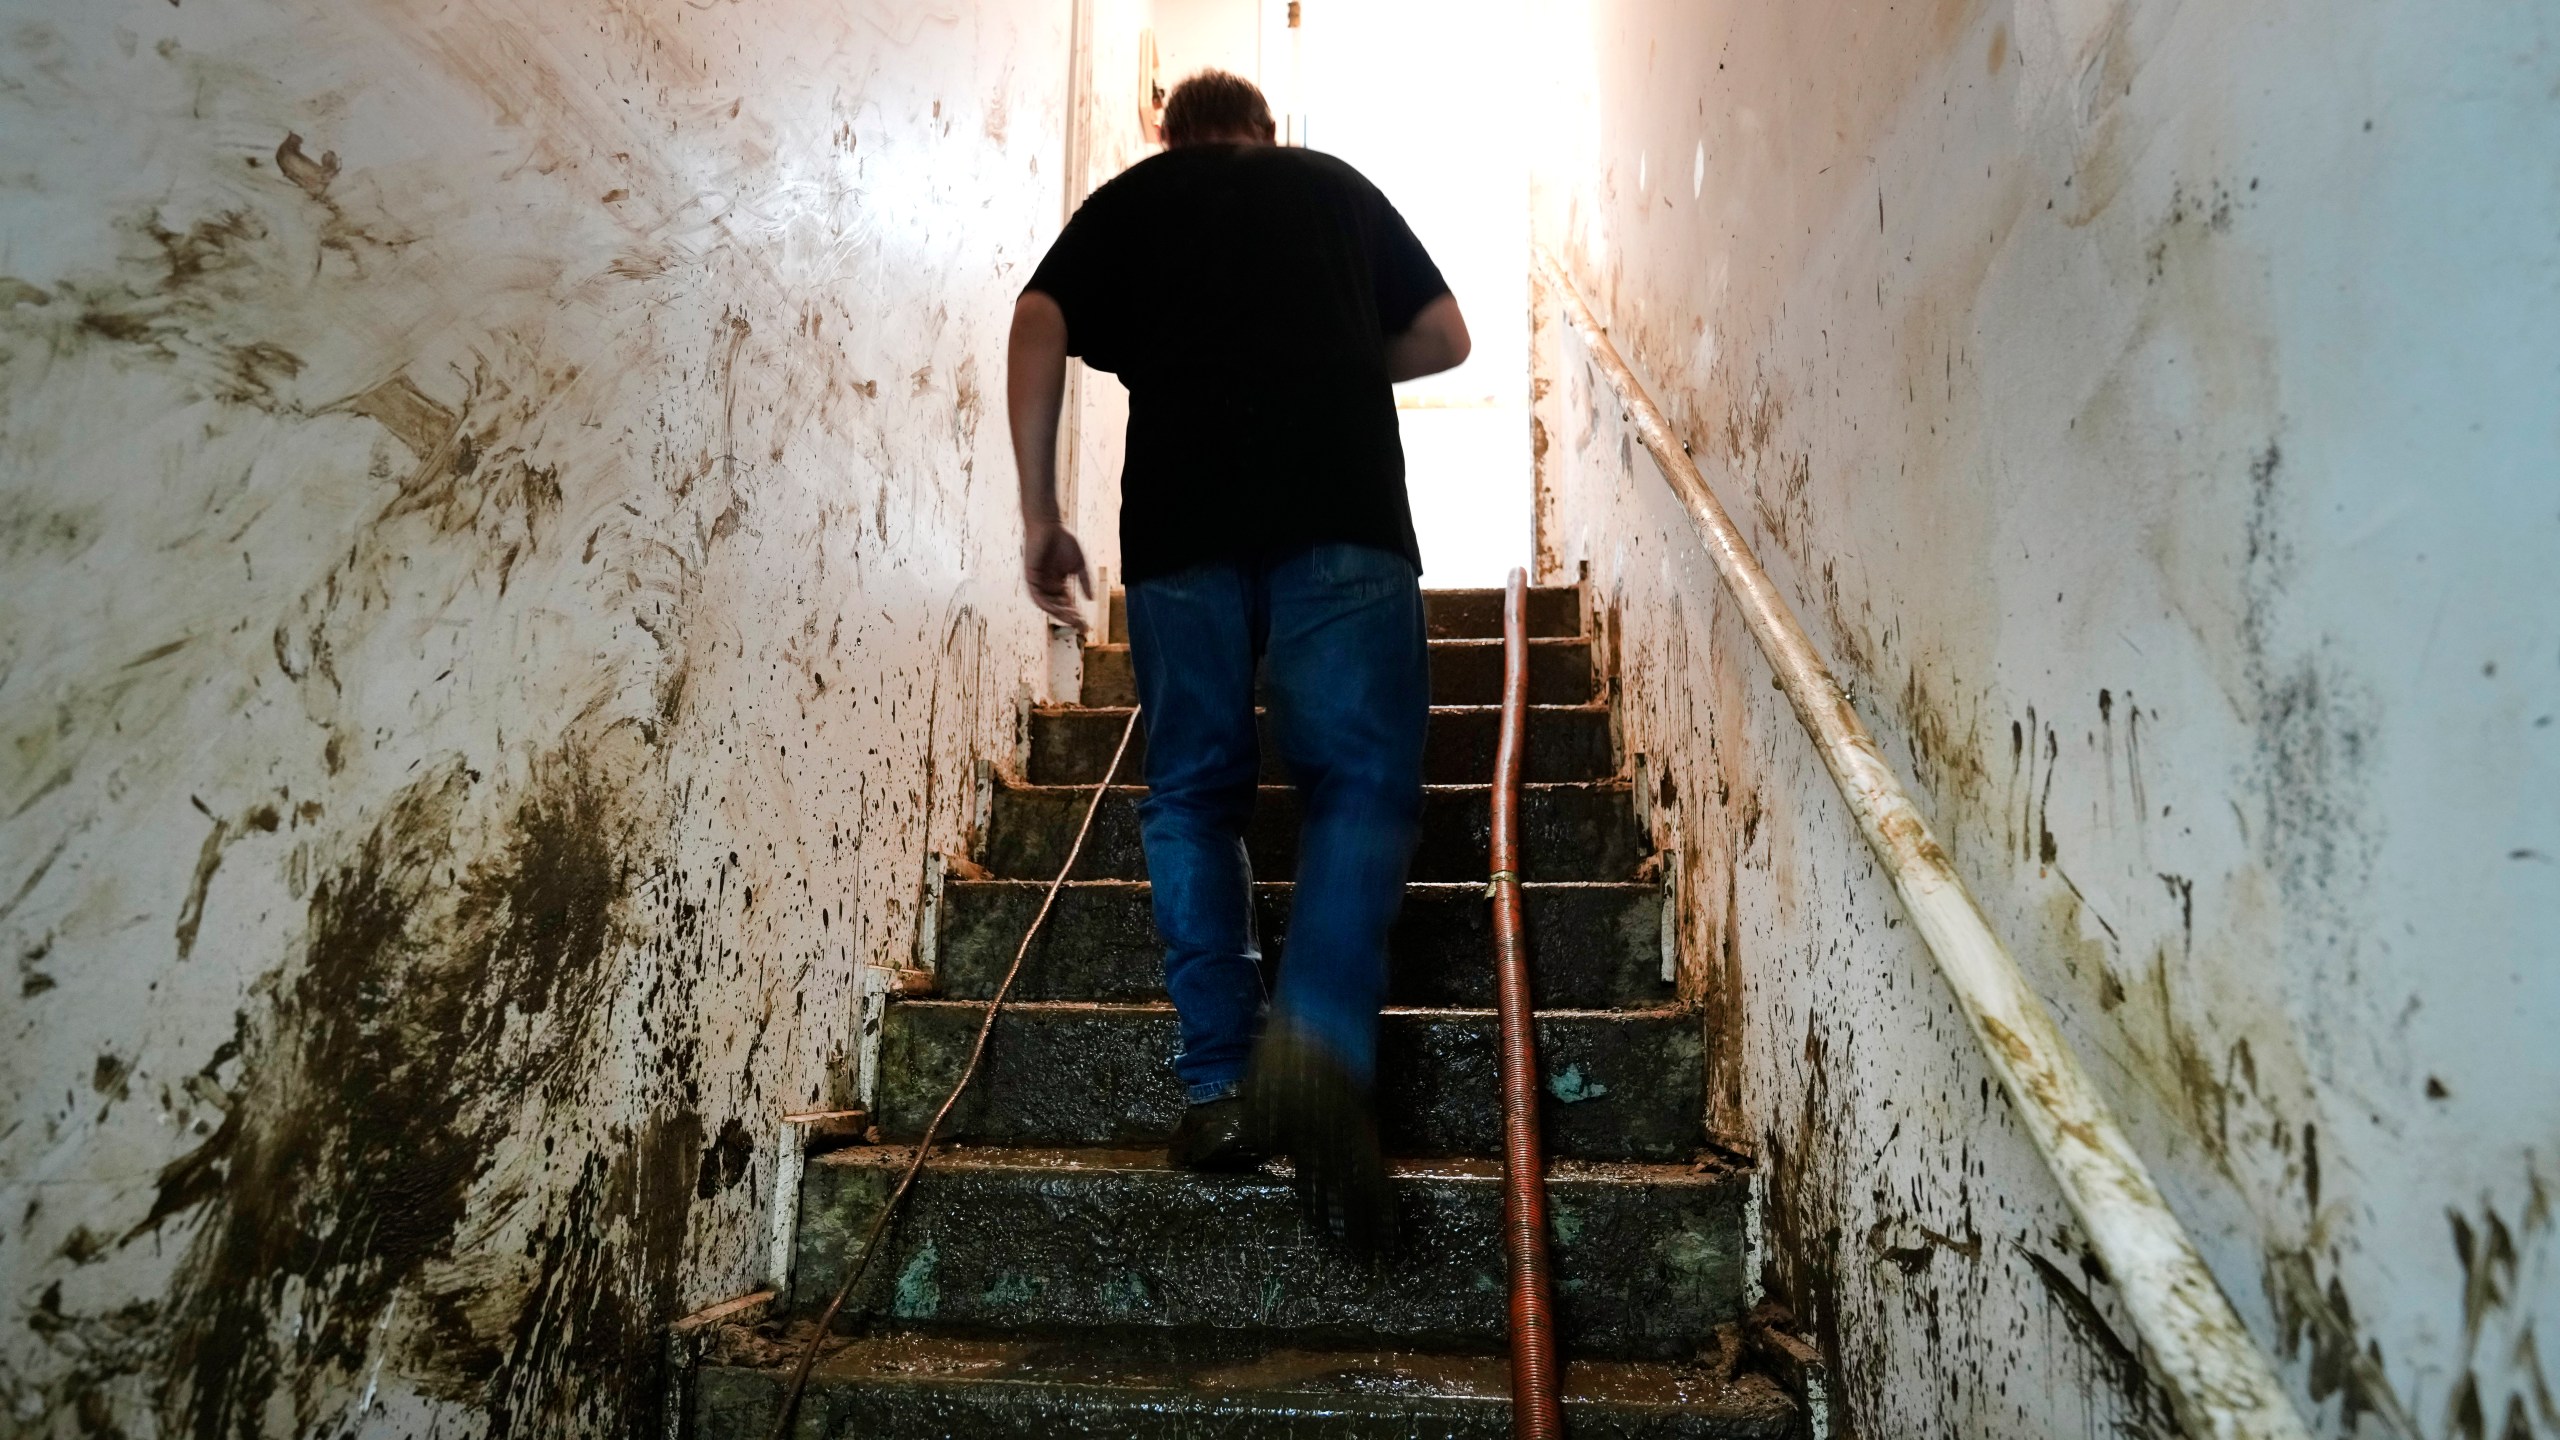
(1211, 1136)
(1300, 1101)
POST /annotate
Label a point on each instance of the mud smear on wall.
(2315, 724)
(2320, 1323)
(2149, 1407)
(437, 1000)
(2502, 1267)
(1946, 752)
(428, 458)
(1803, 1208)
(2244, 984)
(177, 297)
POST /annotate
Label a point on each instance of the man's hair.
(1214, 105)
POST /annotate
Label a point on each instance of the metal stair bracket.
(2218, 1379)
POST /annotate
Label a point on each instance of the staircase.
(1052, 1276)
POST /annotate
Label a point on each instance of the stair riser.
(1461, 674)
(741, 1403)
(1073, 747)
(1554, 610)
(1572, 832)
(1087, 1075)
(1589, 948)
(1643, 1270)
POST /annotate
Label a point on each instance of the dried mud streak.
(2122, 1363)
(382, 1082)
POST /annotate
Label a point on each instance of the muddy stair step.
(1615, 1084)
(1647, 1257)
(1592, 946)
(1555, 611)
(1569, 831)
(1072, 745)
(1463, 672)
(908, 1385)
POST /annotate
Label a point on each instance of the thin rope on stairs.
(969, 1072)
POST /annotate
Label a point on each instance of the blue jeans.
(1339, 632)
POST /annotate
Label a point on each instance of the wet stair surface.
(1053, 1276)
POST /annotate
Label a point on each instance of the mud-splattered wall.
(2153, 410)
(510, 567)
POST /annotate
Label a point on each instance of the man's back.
(1259, 302)
(1245, 294)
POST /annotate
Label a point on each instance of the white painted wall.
(2155, 411)
(1197, 35)
(510, 566)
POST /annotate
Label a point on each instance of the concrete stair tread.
(1129, 1159)
(1466, 611)
(1073, 744)
(1267, 791)
(1440, 644)
(1615, 1084)
(1463, 671)
(896, 1383)
(1570, 830)
(1647, 1256)
(1593, 945)
(1456, 612)
(1412, 887)
(1159, 1008)
(1121, 712)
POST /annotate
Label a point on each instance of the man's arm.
(1035, 390)
(1436, 341)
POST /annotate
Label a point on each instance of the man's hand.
(1050, 558)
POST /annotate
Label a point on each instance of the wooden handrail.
(2219, 1381)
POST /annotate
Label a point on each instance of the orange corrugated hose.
(1534, 1366)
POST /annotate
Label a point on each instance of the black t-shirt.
(1245, 294)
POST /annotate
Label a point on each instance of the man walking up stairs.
(1258, 302)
